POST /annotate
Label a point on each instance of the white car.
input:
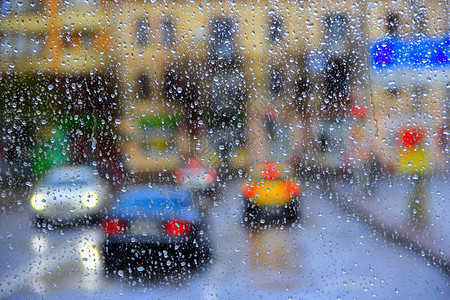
(69, 194)
(196, 176)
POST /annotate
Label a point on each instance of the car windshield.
(69, 176)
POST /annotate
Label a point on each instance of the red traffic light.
(411, 136)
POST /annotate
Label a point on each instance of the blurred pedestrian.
(414, 161)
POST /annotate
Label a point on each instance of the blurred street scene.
(267, 148)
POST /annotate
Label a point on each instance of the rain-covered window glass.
(222, 40)
(154, 149)
(12, 45)
(226, 115)
(168, 32)
(77, 40)
(276, 27)
(142, 32)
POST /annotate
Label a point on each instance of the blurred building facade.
(240, 82)
(287, 72)
(57, 62)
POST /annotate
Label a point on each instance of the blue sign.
(419, 53)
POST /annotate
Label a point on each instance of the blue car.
(153, 231)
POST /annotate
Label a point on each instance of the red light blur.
(270, 171)
(292, 188)
(178, 228)
(114, 226)
(249, 189)
(412, 136)
(358, 112)
(180, 176)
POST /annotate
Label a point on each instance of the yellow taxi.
(271, 197)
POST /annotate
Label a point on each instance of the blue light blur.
(417, 53)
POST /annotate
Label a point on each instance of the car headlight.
(39, 243)
(90, 199)
(38, 201)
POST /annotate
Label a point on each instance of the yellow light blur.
(90, 256)
(90, 199)
(271, 193)
(38, 202)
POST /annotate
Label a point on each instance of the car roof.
(71, 173)
(155, 200)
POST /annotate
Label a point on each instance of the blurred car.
(154, 230)
(69, 194)
(271, 198)
(196, 176)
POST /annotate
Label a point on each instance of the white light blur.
(38, 201)
(39, 243)
(90, 199)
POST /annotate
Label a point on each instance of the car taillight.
(249, 189)
(114, 226)
(178, 228)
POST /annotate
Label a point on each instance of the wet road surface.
(328, 255)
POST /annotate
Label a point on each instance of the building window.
(143, 86)
(77, 40)
(168, 32)
(276, 28)
(86, 39)
(393, 24)
(80, 3)
(336, 29)
(20, 42)
(37, 45)
(5, 45)
(142, 32)
(337, 79)
(276, 82)
(222, 40)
